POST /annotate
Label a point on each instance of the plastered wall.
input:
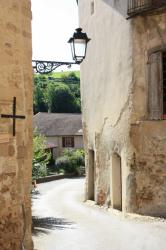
(106, 85)
(114, 88)
(57, 140)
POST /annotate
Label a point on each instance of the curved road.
(66, 223)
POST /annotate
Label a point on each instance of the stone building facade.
(15, 150)
(123, 96)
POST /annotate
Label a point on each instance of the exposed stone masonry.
(15, 152)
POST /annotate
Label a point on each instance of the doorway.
(116, 182)
(91, 175)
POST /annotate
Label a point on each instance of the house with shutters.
(123, 85)
(62, 131)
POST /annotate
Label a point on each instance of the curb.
(53, 178)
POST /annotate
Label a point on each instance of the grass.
(66, 73)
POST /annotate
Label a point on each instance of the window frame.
(68, 142)
(158, 85)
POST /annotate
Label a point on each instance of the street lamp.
(78, 45)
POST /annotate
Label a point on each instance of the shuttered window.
(164, 85)
(155, 90)
(68, 142)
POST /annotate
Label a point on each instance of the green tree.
(60, 99)
(66, 98)
(41, 156)
(39, 103)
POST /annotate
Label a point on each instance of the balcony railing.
(140, 6)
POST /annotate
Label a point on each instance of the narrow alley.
(62, 221)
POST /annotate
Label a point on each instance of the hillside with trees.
(57, 92)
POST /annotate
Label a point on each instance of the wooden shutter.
(155, 98)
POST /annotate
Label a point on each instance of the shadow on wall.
(41, 225)
(118, 5)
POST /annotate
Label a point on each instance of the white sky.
(53, 23)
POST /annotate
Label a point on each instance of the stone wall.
(15, 152)
(149, 167)
(148, 137)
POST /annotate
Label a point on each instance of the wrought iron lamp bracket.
(45, 67)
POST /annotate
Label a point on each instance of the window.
(68, 142)
(157, 86)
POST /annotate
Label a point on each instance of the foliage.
(71, 161)
(60, 99)
(59, 92)
(70, 77)
(41, 156)
(65, 73)
(39, 101)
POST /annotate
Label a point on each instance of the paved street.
(66, 223)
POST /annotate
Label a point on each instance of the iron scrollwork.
(45, 67)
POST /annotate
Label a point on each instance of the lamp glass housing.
(80, 49)
(79, 45)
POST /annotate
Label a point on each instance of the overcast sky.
(53, 23)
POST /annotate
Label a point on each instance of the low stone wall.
(53, 178)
